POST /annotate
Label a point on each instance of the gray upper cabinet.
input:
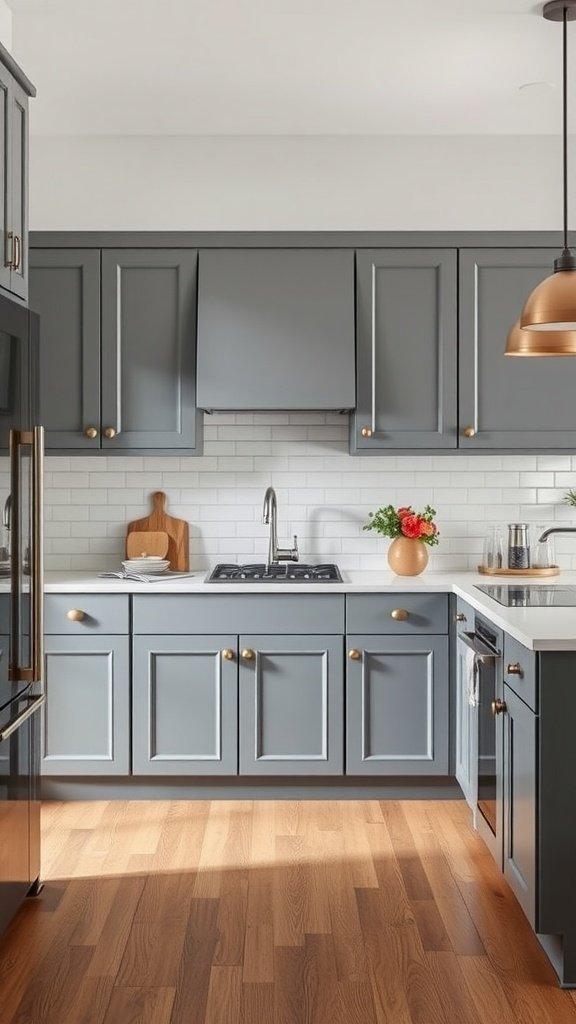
(508, 403)
(148, 348)
(65, 291)
(118, 348)
(406, 350)
(397, 705)
(291, 705)
(15, 90)
(276, 329)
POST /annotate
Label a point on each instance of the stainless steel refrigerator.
(21, 601)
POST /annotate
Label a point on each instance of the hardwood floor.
(294, 912)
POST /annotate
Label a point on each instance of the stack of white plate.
(148, 564)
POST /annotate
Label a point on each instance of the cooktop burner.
(325, 572)
(531, 595)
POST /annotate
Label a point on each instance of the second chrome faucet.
(269, 517)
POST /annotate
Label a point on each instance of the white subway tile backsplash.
(324, 495)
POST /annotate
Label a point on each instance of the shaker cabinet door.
(397, 705)
(406, 350)
(65, 291)
(149, 348)
(508, 402)
(520, 785)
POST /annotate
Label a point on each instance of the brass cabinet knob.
(110, 432)
(469, 432)
(228, 654)
(459, 617)
(76, 615)
(399, 614)
(498, 706)
(247, 654)
(90, 432)
(366, 431)
(354, 655)
(515, 669)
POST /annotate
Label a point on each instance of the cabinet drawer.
(239, 613)
(377, 613)
(98, 613)
(520, 671)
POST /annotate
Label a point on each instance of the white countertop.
(540, 629)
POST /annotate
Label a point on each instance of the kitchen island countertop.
(539, 629)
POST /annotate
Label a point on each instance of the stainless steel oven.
(483, 658)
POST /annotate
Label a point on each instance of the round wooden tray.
(550, 570)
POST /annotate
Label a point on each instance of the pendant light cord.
(565, 121)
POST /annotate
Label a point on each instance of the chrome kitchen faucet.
(269, 516)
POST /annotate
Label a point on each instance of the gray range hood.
(276, 329)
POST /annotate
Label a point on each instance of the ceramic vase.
(407, 556)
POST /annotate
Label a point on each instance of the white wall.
(324, 494)
(297, 183)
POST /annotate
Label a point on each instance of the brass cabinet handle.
(515, 669)
(469, 432)
(366, 431)
(76, 615)
(247, 654)
(228, 654)
(498, 706)
(459, 617)
(354, 654)
(9, 260)
(399, 614)
(17, 253)
(90, 432)
(110, 432)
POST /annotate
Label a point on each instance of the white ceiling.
(290, 67)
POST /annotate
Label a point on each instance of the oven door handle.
(19, 719)
(484, 654)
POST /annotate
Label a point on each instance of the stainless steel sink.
(325, 572)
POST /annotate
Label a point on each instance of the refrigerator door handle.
(37, 554)
(19, 719)
(34, 440)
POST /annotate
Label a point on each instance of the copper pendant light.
(551, 308)
(540, 343)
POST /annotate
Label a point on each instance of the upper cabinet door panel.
(406, 349)
(276, 329)
(18, 156)
(5, 78)
(65, 291)
(510, 403)
(148, 348)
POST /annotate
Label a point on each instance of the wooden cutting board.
(152, 542)
(177, 530)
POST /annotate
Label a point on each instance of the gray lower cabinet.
(291, 705)
(185, 705)
(118, 343)
(397, 705)
(506, 402)
(519, 801)
(406, 338)
(86, 717)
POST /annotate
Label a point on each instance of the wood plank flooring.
(272, 912)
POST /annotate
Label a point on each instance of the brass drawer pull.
(367, 432)
(228, 654)
(90, 432)
(354, 655)
(469, 432)
(248, 654)
(110, 432)
(399, 614)
(76, 615)
(515, 669)
(459, 617)
(498, 706)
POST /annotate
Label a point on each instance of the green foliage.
(570, 497)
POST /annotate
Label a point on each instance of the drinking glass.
(493, 550)
(543, 553)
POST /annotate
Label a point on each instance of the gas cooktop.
(530, 595)
(326, 572)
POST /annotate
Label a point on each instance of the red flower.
(411, 525)
(404, 511)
